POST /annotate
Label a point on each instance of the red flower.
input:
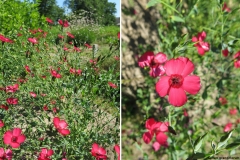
(14, 137)
(54, 110)
(49, 20)
(63, 23)
(227, 127)
(60, 36)
(202, 46)
(87, 45)
(117, 58)
(177, 81)
(45, 154)
(156, 146)
(34, 95)
(13, 101)
(76, 49)
(112, 85)
(118, 35)
(223, 100)
(4, 107)
(61, 126)
(33, 40)
(12, 89)
(98, 152)
(72, 70)
(237, 60)
(45, 108)
(55, 74)
(5, 155)
(148, 59)
(117, 149)
(70, 35)
(233, 111)
(225, 7)
(225, 52)
(4, 39)
(1, 123)
(27, 69)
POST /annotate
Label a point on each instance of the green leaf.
(177, 19)
(224, 139)
(232, 146)
(197, 156)
(232, 42)
(153, 3)
(198, 142)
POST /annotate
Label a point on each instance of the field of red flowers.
(187, 106)
(59, 100)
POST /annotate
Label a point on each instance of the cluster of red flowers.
(158, 129)
(100, 153)
(5, 39)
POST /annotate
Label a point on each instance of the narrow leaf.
(224, 139)
(232, 146)
(153, 3)
(177, 19)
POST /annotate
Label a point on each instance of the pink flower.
(4, 107)
(61, 126)
(117, 149)
(156, 146)
(14, 137)
(117, 58)
(55, 74)
(27, 69)
(33, 40)
(63, 23)
(49, 20)
(12, 89)
(118, 35)
(148, 59)
(5, 155)
(45, 154)
(225, 52)
(76, 49)
(225, 7)
(4, 39)
(227, 127)
(178, 81)
(13, 101)
(112, 85)
(202, 46)
(1, 123)
(70, 35)
(223, 100)
(34, 95)
(233, 111)
(98, 152)
(79, 71)
(237, 60)
(72, 70)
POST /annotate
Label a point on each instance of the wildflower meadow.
(59, 86)
(186, 101)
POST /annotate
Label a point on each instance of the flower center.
(175, 81)
(14, 139)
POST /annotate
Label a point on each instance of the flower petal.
(201, 51)
(147, 137)
(161, 138)
(21, 138)
(177, 97)
(156, 146)
(174, 66)
(64, 132)
(14, 145)
(162, 86)
(191, 84)
(17, 132)
(56, 122)
(189, 66)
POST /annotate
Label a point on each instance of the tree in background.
(49, 8)
(100, 11)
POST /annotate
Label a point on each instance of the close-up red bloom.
(5, 154)
(49, 20)
(148, 59)
(33, 40)
(98, 152)
(12, 88)
(227, 127)
(45, 154)
(61, 126)
(225, 52)
(14, 137)
(63, 23)
(117, 150)
(178, 81)
(233, 111)
(202, 46)
(11, 100)
(112, 85)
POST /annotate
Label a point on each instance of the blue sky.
(117, 2)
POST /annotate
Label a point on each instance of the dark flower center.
(14, 139)
(175, 81)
